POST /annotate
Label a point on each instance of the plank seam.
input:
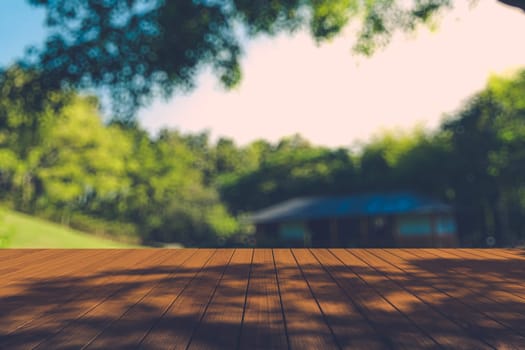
(238, 345)
(168, 308)
(430, 306)
(384, 339)
(316, 301)
(504, 279)
(388, 301)
(480, 312)
(137, 302)
(36, 317)
(57, 262)
(494, 251)
(210, 299)
(281, 301)
(86, 312)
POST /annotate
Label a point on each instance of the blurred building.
(401, 219)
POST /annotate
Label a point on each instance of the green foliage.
(115, 180)
(392, 144)
(489, 155)
(475, 162)
(82, 157)
(291, 168)
(110, 179)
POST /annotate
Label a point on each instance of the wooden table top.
(262, 299)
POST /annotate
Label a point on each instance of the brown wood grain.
(47, 266)
(305, 321)
(263, 325)
(262, 299)
(420, 302)
(9, 256)
(480, 275)
(91, 291)
(352, 274)
(351, 328)
(455, 302)
(26, 301)
(221, 324)
(175, 328)
(133, 325)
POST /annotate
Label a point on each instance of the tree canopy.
(137, 50)
(68, 165)
(59, 159)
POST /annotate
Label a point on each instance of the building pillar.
(307, 236)
(334, 239)
(434, 239)
(363, 228)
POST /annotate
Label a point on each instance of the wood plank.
(504, 254)
(398, 298)
(56, 266)
(262, 298)
(481, 275)
(175, 328)
(220, 328)
(20, 256)
(47, 265)
(305, 322)
(133, 326)
(490, 301)
(351, 328)
(393, 327)
(263, 325)
(97, 289)
(8, 256)
(512, 267)
(457, 305)
(421, 303)
(514, 252)
(24, 302)
(130, 285)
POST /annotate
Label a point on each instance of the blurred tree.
(291, 168)
(414, 160)
(200, 146)
(375, 172)
(69, 163)
(182, 208)
(488, 176)
(81, 163)
(21, 133)
(228, 157)
(72, 167)
(138, 49)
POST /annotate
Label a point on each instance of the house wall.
(294, 234)
(266, 235)
(380, 231)
(284, 234)
(320, 233)
(349, 232)
(425, 230)
(416, 230)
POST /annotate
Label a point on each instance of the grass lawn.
(24, 231)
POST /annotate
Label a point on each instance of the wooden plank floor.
(262, 299)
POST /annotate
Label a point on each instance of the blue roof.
(358, 205)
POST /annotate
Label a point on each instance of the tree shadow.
(367, 300)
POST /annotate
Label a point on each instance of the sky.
(333, 98)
